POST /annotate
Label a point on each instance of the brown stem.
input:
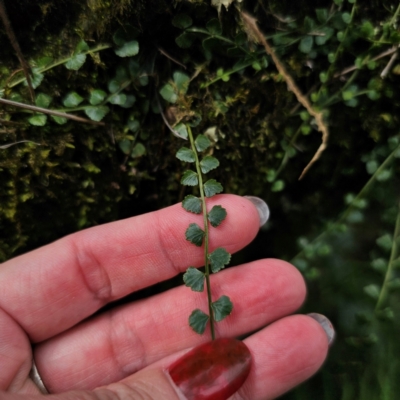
(17, 49)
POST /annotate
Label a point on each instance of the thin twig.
(354, 67)
(322, 127)
(389, 65)
(163, 52)
(50, 112)
(7, 145)
(17, 48)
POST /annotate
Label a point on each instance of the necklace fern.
(199, 236)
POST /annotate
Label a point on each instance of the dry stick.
(50, 112)
(251, 25)
(17, 49)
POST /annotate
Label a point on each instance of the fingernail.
(212, 371)
(262, 208)
(326, 325)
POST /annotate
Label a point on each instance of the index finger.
(53, 288)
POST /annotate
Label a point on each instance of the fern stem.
(205, 221)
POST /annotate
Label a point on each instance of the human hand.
(48, 298)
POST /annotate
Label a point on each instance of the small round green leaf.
(222, 308)
(36, 79)
(118, 99)
(194, 234)
(38, 120)
(59, 120)
(198, 321)
(372, 290)
(181, 80)
(208, 163)
(194, 279)
(192, 203)
(189, 178)
(96, 113)
(129, 101)
(181, 130)
(128, 49)
(185, 40)
(125, 145)
(43, 100)
(185, 154)
(214, 27)
(72, 100)
(97, 96)
(168, 93)
(212, 187)
(81, 47)
(218, 259)
(306, 44)
(216, 215)
(138, 151)
(346, 17)
(182, 21)
(75, 62)
(202, 142)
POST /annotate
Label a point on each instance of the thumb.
(214, 370)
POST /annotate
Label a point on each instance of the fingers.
(285, 354)
(53, 288)
(121, 342)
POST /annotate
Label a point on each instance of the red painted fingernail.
(212, 371)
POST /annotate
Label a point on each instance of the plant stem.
(205, 221)
(389, 273)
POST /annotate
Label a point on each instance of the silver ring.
(37, 380)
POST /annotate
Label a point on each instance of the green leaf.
(322, 14)
(278, 186)
(182, 81)
(192, 203)
(130, 100)
(202, 142)
(38, 120)
(75, 62)
(128, 49)
(306, 44)
(81, 47)
(113, 86)
(125, 34)
(185, 154)
(185, 40)
(212, 187)
(216, 215)
(327, 34)
(36, 79)
(189, 178)
(194, 234)
(43, 100)
(125, 145)
(218, 259)
(168, 93)
(59, 120)
(214, 27)
(194, 279)
(138, 151)
(96, 113)
(118, 99)
(346, 17)
(72, 99)
(372, 291)
(182, 21)
(97, 96)
(182, 130)
(208, 163)
(222, 308)
(133, 125)
(198, 321)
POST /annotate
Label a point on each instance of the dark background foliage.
(337, 224)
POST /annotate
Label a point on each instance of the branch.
(17, 49)
(50, 112)
(251, 25)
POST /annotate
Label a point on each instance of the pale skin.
(47, 298)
